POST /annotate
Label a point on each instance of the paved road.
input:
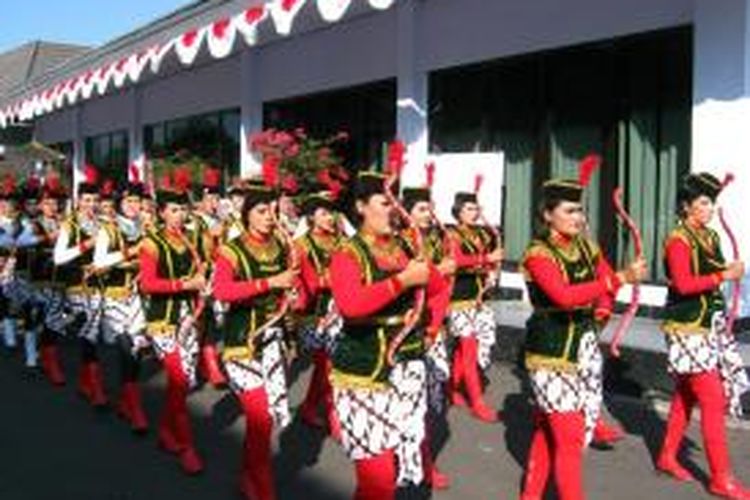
(52, 446)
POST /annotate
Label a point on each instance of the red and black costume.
(572, 289)
(471, 321)
(702, 355)
(321, 323)
(166, 260)
(381, 408)
(254, 341)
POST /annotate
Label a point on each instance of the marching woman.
(123, 320)
(438, 250)
(322, 324)
(254, 277)
(173, 278)
(571, 287)
(379, 373)
(74, 256)
(702, 354)
(472, 322)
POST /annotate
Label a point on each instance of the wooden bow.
(495, 234)
(734, 306)
(395, 164)
(632, 309)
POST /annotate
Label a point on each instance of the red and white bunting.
(283, 13)
(333, 10)
(188, 45)
(220, 37)
(247, 23)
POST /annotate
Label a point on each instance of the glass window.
(628, 99)
(109, 154)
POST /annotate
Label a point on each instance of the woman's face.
(48, 207)
(421, 214)
(260, 219)
(567, 218)
(469, 214)
(700, 211)
(131, 206)
(173, 215)
(107, 208)
(87, 203)
(376, 214)
(324, 220)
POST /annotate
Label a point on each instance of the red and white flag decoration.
(333, 10)
(188, 45)
(247, 23)
(283, 13)
(220, 37)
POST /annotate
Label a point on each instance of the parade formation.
(229, 287)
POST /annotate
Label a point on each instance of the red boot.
(131, 408)
(473, 384)
(568, 432)
(709, 392)
(457, 377)
(679, 416)
(607, 434)
(257, 470)
(315, 391)
(84, 382)
(538, 465)
(51, 365)
(432, 475)
(210, 366)
(98, 398)
(376, 477)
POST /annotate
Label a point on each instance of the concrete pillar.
(136, 152)
(251, 111)
(412, 94)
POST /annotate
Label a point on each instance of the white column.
(136, 154)
(411, 114)
(721, 109)
(79, 147)
(251, 111)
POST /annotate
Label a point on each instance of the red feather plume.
(165, 182)
(182, 180)
(212, 177)
(134, 173)
(395, 161)
(430, 173)
(90, 174)
(9, 183)
(728, 178)
(587, 167)
(52, 181)
(32, 183)
(108, 187)
(478, 180)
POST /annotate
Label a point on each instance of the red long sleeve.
(150, 281)
(353, 297)
(438, 300)
(229, 289)
(546, 273)
(681, 275)
(314, 283)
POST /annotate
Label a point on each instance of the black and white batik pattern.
(701, 352)
(89, 304)
(438, 373)
(580, 390)
(56, 315)
(184, 341)
(478, 322)
(125, 317)
(373, 421)
(268, 372)
(323, 334)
